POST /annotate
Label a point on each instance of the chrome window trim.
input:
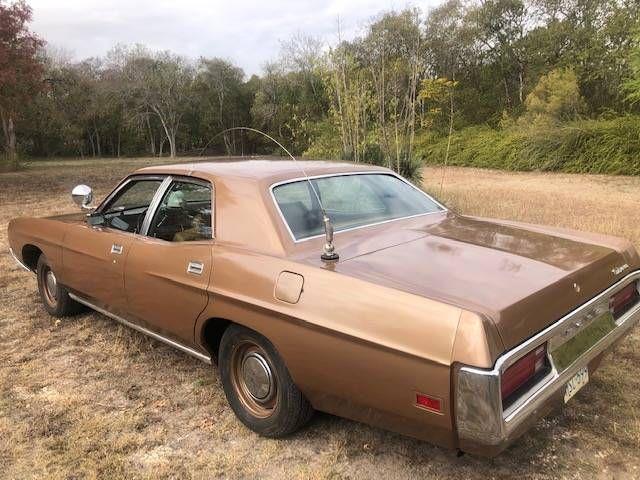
(135, 326)
(344, 174)
(153, 206)
(124, 183)
(479, 412)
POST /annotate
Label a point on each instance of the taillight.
(625, 298)
(523, 370)
(429, 402)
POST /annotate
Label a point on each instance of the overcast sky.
(245, 31)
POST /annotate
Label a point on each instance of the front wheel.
(54, 296)
(258, 386)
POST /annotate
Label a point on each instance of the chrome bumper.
(483, 425)
(18, 261)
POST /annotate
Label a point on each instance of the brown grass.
(87, 398)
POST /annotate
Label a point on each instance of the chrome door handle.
(195, 267)
(116, 249)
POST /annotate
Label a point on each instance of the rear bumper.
(483, 426)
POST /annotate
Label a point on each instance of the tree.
(438, 95)
(222, 103)
(554, 99)
(394, 52)
(160, 84)
(631, 87)
(20, 71)
(594, 39)
(502, 27)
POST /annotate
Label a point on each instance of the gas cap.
(289, 287)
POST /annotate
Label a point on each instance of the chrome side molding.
(18, 261)
(200, 356)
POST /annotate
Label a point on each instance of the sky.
(248, 32)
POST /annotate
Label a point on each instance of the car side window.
(126, 211)
(184, 214)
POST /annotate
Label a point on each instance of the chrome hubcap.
(257, 377)
(51, 283)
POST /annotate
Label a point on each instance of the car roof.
(262, 170)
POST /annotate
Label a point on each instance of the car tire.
(54, 296)
(258, 385)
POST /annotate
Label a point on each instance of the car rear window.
(350, 201)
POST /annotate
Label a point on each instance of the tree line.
(411, 80)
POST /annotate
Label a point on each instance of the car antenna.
(329, 253)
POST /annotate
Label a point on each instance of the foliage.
(555, 98)
(20, 70)
(525, 74)
(221, 101)
(631, 87)
(437, 97)
(582, 146)
(326, 143)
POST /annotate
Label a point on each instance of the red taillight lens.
(621, 301)
(428, 402)
(523, 370)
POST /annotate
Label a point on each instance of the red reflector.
(428, 402)
(619, 302)
(523, 370)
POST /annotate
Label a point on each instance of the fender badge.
(620, 269)
(576, 287)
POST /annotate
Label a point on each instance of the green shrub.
(609, 146)
(326, 144)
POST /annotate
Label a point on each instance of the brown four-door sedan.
(457, 330)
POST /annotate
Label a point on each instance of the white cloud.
(247, 32)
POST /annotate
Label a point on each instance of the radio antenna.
(329, 253)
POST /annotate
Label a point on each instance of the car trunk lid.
(522, 279)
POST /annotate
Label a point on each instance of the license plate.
(571, 349)
(578, 381)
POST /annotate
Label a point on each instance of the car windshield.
(350, 201)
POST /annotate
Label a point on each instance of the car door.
(168, 271)
(94, 254)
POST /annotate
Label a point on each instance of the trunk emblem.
(576, 287)
(620, 269)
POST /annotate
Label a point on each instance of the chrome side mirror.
(82, 196)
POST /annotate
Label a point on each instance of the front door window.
(127, 209)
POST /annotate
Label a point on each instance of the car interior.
(184, 214)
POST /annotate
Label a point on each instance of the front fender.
(44, 234)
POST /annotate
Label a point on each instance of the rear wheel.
(258, 386)
(54, 296)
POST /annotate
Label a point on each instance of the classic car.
(346, 289)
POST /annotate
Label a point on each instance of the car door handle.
(195, 267)
(116, 249)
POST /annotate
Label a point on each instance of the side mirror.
(82, 196)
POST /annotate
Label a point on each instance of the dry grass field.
(87, 398)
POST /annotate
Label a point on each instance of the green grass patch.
(609, 146)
